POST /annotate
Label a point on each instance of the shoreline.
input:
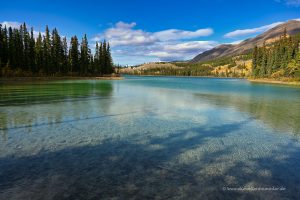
(49, 78)
(185, 76)
(286, 81)
(274, 81)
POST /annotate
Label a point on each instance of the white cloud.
(190, 46)
(251, 31)
(168, 51)
(175, 34)
(245, 32)
(165, 51)
(124, 34)
(292, 3)
(121, 24)
(170, 44)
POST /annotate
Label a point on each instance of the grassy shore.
(283, 81)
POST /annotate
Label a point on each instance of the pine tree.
(270, 63)
(2, 48)
(5, 47)
(19, 51)
(96, 59)
(109, 63)
(74, 55)
(39, 55)
(101, 58)
(84, 56)
(91, 62)
(264, 60)
(56, 52)
(47, 51)
(65, 55)
(255, 61)
(26, 44)
(104, 58)
(31, 62)
(11, 49)
(277, 57)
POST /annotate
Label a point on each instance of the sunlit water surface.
(149, 138)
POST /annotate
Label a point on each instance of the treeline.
(279, 59)
(183, 69)
(230, 61)
(207, 68)
(193, 69)
(24, 54)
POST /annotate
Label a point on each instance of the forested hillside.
(238, 66)
(24, 54)
(279, 59)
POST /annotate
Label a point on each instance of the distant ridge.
(226, 50)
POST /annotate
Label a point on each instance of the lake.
(149, 138)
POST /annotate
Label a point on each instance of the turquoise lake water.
(149, 138)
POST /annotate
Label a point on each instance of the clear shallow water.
(149, 138)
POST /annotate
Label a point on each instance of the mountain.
(226, 50)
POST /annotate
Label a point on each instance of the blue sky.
(144, 31)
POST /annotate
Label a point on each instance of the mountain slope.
(225, 50)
